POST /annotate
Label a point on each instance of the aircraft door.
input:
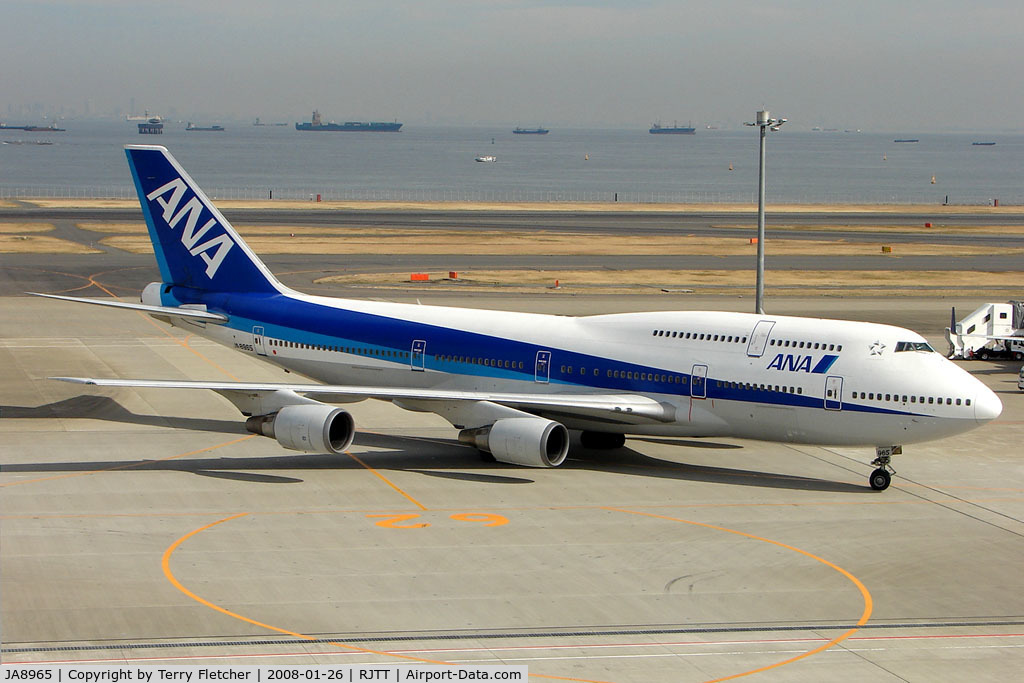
(418, 355)
(759, 338)
(258, 342)
(833, 393)
(542, 370)
(699, 382)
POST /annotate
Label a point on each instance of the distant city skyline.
(872, 65)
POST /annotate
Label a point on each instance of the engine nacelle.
(311, 428)
(529, 441)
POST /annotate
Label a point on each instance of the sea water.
(432, 164)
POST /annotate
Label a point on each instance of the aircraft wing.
(190, 313)
(619, 408)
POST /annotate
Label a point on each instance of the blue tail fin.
(195, 245)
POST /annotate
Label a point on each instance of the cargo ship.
(52, 128)
(531, 131)
(214, 127)
(361, 126)
(674, 129)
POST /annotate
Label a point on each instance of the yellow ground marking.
(128, 466)
(166, 565)
(387, 481)
(395, 521)
(865, 615)
(486, 518)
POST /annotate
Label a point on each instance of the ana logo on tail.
(191, 234)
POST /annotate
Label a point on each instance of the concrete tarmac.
(148, 527)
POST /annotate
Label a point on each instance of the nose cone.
(987, 406)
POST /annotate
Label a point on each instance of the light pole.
(764, 122)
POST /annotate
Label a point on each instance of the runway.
(148, 527)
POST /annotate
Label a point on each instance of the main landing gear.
(880, 478)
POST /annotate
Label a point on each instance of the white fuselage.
(775, 378)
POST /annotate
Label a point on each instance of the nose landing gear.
(881, 477)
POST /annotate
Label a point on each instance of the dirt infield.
(41, 244)
(131, 237)
(21, 228)
(817, 283)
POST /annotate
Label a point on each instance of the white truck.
(991, 331)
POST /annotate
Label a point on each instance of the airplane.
(514, 384)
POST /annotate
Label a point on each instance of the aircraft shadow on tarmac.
(91, 407)
(445, 458)
(999, 367)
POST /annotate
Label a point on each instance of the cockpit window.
(913, 346)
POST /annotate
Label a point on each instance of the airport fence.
(510, 196)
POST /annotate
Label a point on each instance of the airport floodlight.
(764, 121)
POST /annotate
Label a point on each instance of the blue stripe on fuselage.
(309, 323)
(824, 364)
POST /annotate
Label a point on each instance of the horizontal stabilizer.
(190, 313)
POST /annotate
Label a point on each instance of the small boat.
(531, 131)
(489, 157)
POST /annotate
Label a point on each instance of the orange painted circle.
(865, 615)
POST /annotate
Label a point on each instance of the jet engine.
(529, 441)
(311, 428)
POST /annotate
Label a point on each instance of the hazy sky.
(892, 65)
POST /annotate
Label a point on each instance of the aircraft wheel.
(880, 479)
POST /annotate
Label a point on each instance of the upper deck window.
(913, 346)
